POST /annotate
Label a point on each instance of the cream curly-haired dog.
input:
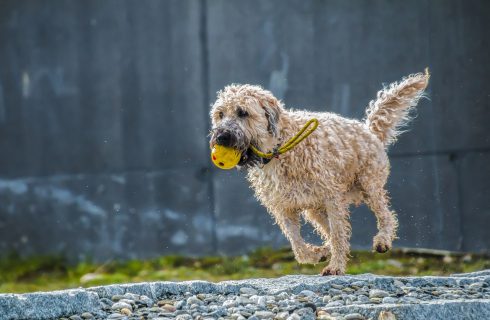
(343, 162)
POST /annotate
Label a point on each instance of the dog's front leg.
(289, 222)
(319, 220)
(340, 232)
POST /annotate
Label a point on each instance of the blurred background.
(104, 120)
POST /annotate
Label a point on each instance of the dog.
(342, 162)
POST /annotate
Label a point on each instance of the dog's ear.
(272, 118)
(272, 113)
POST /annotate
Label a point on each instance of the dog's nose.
(224, 139)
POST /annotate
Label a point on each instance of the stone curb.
(51, 305)
(433, 310)
(47, 305)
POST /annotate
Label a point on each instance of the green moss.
(51, 273)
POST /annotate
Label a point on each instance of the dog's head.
(243, 115)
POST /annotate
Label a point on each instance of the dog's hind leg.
(340, 232)
(376, 197)
(290, 224)
(387, 222)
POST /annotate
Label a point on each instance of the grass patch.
(51, 273)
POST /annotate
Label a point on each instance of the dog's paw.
(307, 257)
(381, 248)
(332, 271)
(381, 244)
(321, 252)
(311, 254)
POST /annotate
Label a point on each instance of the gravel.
(288, 298)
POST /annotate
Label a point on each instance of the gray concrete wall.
(104, 106)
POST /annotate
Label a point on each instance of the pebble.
(398, 283)
(229, 303)
(409, 300)
(337, 303)
(87, 315)
(294, 316)
(243, 300)
(307, 293)
(408, 289)
(164, 302)
(476, 285)
(131, 296)
(128, 301)
(305, 313)
(117, 297)
(264, 314)
(335, 291)
(169, 307)
(376, 293)
(180, 304)
(194, 300)
(282, 295)
(247, 290)
(337, 297)
(106, 302)
(144, 300)
(121, 305)
(126, 311)
(375, 300)
(310, 305)
(261, 301)
(354, 316)
(358, 284)
(202, 296)
(389, 300)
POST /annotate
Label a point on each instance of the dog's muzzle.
(226, 139)
(235, 138)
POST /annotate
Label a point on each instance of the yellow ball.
(225, 157)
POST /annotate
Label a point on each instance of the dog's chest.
(278, 188)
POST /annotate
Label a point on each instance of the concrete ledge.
(290, 284)
(47, 305)
(50, 305)
(433, 310)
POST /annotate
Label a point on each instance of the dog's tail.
(390, 111)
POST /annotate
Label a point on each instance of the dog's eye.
(242, 113)
(221, 115)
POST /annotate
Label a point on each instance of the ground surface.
(54, 273)
(464, 296)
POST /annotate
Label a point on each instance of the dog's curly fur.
(343, 162)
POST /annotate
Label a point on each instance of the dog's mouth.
(249, 159)
(245, 157)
